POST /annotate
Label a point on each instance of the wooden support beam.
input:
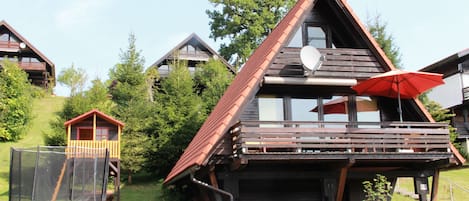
(213, 178)
(342, 180)
(436, 177)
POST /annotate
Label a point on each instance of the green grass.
(43, 111)
(452, 182)
(143, 188)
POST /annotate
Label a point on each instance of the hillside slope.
(44, 110)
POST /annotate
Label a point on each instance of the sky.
(91, 34)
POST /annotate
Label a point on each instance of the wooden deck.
(323, 138)
(113, 146)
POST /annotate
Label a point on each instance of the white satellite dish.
(311, 59)
(22, 45)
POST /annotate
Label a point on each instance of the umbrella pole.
(399, 101)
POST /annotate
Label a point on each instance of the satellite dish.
(22, 45)
(311, 59)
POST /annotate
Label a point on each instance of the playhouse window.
(85, 133)
(102, 133)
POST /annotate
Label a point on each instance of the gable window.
(317, 35)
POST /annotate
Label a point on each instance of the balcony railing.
(317, 137)
(36, 66)
(10, 46)
(113, 146)
(465, 92)
(339, 62)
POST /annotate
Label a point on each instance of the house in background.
(95, 129)
(454, 94)
(271, 138)
(192, 50)
(41, 71)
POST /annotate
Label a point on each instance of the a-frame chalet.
(13, 46)
(192, 50)
(270, 136)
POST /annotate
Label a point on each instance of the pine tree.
(129, 93)
(178, 114)
(377, 28)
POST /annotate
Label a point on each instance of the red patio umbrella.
(340, 106)
(399, 84)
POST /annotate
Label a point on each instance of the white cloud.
(79, 12)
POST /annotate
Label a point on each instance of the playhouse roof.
(90, 113)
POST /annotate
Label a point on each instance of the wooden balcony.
(33, 66)
(326, 140)
(465, 92)
(113, 146)
(338, 62)
(9, 46)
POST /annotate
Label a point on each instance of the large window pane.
(297, 40)
(334, 115)
(316, 37)
(271, 109)
(367, 110)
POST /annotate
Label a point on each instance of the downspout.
(205, 185)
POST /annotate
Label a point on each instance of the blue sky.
(91, 33)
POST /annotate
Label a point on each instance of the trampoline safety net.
(58, 174)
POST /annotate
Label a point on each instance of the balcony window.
(297, 40)
(316, 36)
(4, 37)
(271, 109)
(319, 109)
(7, 37)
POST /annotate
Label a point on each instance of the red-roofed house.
(41, 71)
(94, 129)
(265, 139)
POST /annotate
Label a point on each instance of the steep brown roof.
(92, 112)
(28, 44)
(248, 80)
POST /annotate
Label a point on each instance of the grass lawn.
(43, 111)
(144, 188)
(453, 183)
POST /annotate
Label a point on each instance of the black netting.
(58, 174)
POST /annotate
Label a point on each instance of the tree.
(377, 28)
(178, 114)
(74, 78)
(128, 76)
(129, 91)
(94, 98)
(212, 79)
(15, 101)
(245, 24)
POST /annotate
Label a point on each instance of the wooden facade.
(14, 47)
(263, 141)
(95, 129)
